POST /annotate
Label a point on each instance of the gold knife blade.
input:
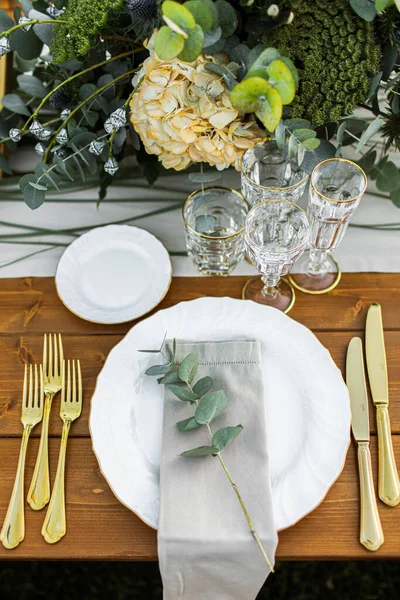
(371, 535)
(388, 480)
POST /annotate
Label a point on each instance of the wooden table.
(99, 527)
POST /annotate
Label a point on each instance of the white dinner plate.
(113, 274)
(307, 405)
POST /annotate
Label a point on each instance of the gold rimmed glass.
(214, 220)
(336, 188)
(276, 233)
(268, 173)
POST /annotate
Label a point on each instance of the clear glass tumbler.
(268, 173)
(336, 189)
(276, 233)
(214, 220)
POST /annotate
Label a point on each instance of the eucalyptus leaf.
(368, 161)
(313, 157)
(389, 177)
(340, 133)
(371, 130)
(213, 10)
(201, 451)
(182, 393)
(187, 425)
(188, 368)
(6, 22)
(211, 36)
(302, 135)
(178, 14)
(210, 406)
(374, 85)
(311, 143)
(223, 437)
(227, 75)
(168, 43)
(201, 13)
(293, 124)
(395, 197)
(32, 86)
(205, 223)
(280, 135)
(14, 103)
(4, 166)
(193, 44)
(203, 386)
(26, 180)
(156, 370)
(227, 18)
(171, 377)
(33, 197)
(44, 31)
(44, 171)
(292, 149)
(364, 8)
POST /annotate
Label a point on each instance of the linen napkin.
(205, 547)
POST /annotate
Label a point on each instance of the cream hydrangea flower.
(183, 114)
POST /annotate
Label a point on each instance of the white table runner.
(361, 249)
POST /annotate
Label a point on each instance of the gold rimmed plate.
(113, 274)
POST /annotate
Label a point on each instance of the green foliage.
(267, 86)
(336, 55)
(82, 20)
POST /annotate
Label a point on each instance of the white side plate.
(307, 405)
(113, 274)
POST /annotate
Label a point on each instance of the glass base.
(283, 299)
(315, 284)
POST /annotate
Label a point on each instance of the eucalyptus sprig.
(209, 405)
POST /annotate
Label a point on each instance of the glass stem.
(318, 264)
(270, 285)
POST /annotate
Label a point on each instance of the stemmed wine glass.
(268, 173)
(336, 189)
(276, 233)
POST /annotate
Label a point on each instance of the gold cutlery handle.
(55, 525)
(39, 490)
(13, 530)
(371, 535)
(388, 484)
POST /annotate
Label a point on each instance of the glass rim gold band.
(346, 160)
(214, 187)
(283, 202)
(272, 189)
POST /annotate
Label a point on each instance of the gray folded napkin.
(205, 547)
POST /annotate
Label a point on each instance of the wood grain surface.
(99, 526)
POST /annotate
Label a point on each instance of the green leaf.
(374, 84)
(38, 186)
(270, 111)
(395, 197)
(6, 22)
(188, 368)
(202, 15)
(381, 5)
(313, 157)
(205, 223)
(187, 425)
(389, 178)
(223, 437)
(227, 18)
(201, 451)
(213, 10)
(371, 130)
(340, 133)
(211, 37)
(246, 95)
(302, 135)
(311, 143)
(364, 8)
(193, 45)
(171, 377)
(25, 180)
(156, 370)
(182, 393)
(168, 44)
(62, 166)
(203, 386)
(292, 69)
(178, 14)
(14, 103)
(367, 161)
(44, 31)
(280, 135)
(292, 149)
(282, 80)
(4, 166)
(210, 406)
(228, 76)
(32, 86)
(293, 124)
(42, 170)
(33, 197)
(264, 58)
(86, 90)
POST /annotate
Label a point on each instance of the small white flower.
(62, 137)
(290, 18)
(23, 20)
(4, 45)
(111, 166)
(40, 149)
(273, 10)
(96, 147)
(64, 113)
(115, 121)
(15, 134)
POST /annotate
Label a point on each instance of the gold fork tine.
(13, 530)
(51, 378)
(63, 382)
(55, 526)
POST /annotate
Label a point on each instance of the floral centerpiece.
(194, 84)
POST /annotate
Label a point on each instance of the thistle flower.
(183, 114)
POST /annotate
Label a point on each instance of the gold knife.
(388, 480)
(371, 535)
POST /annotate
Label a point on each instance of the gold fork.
(13, 530)
(55, 526)
(53, 356)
